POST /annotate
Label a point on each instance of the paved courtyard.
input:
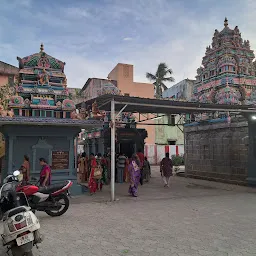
(192, 217)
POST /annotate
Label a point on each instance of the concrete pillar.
(10, 155)
(71, 155)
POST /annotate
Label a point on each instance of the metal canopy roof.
(145, 105)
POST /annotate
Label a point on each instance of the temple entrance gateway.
(161, 107)
(127, 148)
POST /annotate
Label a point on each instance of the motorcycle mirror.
(16, 173)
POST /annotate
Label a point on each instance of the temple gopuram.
(42, 88)
(216, 144)
(227, 74)
(41, 120)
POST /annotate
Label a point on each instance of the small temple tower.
(42, 120)
(42, 88)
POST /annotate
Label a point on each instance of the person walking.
(141, 159)
(120, 168)
(134, 175)
(147, 170)
(166, 169)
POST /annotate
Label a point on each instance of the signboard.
(60, 160)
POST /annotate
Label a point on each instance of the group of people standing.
(88, 169)
(96, 171)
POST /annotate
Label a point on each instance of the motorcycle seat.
(52, 188)
(17, 210)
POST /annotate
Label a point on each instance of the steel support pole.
(113, 150)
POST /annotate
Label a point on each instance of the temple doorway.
(127, 148)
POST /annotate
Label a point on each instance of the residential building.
(172, 134)
(121, 81)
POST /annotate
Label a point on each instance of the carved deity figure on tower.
(43, 78)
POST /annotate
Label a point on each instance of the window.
(48, 113)
(27, 112)
(234, 69)
(220, 70)
(171, 142)
(226, 68)
(23, 112)
(58, 114)
(67, 114)
(126, 94)
(42, 113)
(16, 112)
(36, 112)
(171, 120)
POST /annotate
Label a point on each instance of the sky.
(92, 36)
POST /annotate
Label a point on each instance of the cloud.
(86, 34)
(127, 39)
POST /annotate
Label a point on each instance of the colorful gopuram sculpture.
(228, 72)
(41, 89)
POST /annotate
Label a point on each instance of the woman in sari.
(134, 176)
(26, 169)
(92, 182)
(83, 168)
(101, 162)
(45, 174)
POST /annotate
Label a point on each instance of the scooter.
(52, 199)
(21, 226)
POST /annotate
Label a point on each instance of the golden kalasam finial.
(226, 22)
(42, 47)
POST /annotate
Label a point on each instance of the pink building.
(7, 73)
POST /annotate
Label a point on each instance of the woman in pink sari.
(134, 176)
(92, 182)
(45, 174)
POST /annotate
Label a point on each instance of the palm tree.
(160, 77)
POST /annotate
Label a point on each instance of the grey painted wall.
(218, 151)
(36, 142)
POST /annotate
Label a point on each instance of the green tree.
(162, 75)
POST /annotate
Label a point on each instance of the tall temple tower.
(217, 146)
(228, 73)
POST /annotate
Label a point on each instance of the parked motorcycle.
(21, 226)
(52, 199)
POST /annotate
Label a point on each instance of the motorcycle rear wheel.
(66, 206)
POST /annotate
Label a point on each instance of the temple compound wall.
(217, 151)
